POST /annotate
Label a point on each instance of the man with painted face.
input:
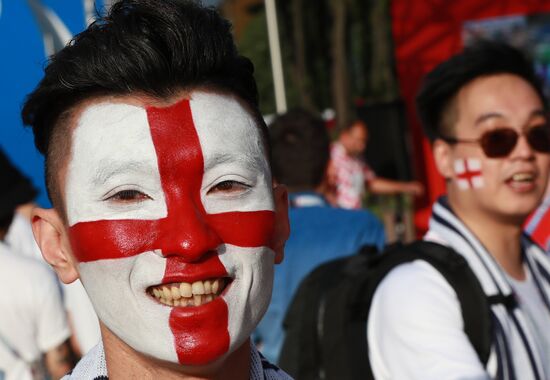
(157, 168)
(485, 112)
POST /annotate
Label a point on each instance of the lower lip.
(521, 187)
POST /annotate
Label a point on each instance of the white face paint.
(138, 220)
(468, 173)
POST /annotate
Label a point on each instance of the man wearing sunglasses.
(485, 113)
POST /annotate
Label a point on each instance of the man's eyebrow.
(539, 112)
(227, 158)
(488, 116)
(110, 168)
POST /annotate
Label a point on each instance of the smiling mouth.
(523, 177)
(523, 181)
(189, 294)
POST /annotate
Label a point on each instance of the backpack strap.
(301, 355)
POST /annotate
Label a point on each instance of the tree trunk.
(340, 93)
(299, 71)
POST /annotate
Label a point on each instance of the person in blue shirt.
(319, 232)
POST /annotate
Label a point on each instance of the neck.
(123, 362)
(345, 145)
(501, 238)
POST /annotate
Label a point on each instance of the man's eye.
(229, 187)
(129, 196)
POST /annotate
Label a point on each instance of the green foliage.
(254, 44)
(370, 62)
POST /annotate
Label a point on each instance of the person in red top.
(351, 175)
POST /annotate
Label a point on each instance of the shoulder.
(414, 288)
(33, 270)
(412, 299)
(359, 222)
(337, 150)
(356, 218)
(415, 328)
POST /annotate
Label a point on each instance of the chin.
(518, 214)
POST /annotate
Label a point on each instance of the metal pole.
(275, 52)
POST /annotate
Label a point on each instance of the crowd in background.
(490, 135)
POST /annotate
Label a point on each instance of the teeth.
(198, 287)
(521, 177)
(207, 287)
(197, 299)
(215, 286)
(186, 294)
(176, 292)
(185, 290)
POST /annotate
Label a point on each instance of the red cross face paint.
(171, 214)
(468, 173)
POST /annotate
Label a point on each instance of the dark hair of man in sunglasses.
(435, 102)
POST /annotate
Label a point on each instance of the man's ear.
(282, 226)
(50, 234)
(443, 158)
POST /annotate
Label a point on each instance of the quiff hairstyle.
(436, 99)
(144, 47)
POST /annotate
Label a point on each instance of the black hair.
(299, 149)
(16, 190)
(147, 47)
(440, 86)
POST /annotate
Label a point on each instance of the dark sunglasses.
(500, 142)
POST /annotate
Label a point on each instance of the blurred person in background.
(19, 237)
(485, 113)
(34, 334)
(319, 232)
(19, 234)
(350, 175)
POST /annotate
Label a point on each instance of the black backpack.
(326, 323)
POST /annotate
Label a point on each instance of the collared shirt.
(94, 367)
(318, 233)
(350, 173)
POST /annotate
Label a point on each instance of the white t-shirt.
(20, 238)
(32, 317)
(531, 302)
(416, 331)
(83, 316)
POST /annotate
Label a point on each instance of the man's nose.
(523, 149)
(189, 235)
